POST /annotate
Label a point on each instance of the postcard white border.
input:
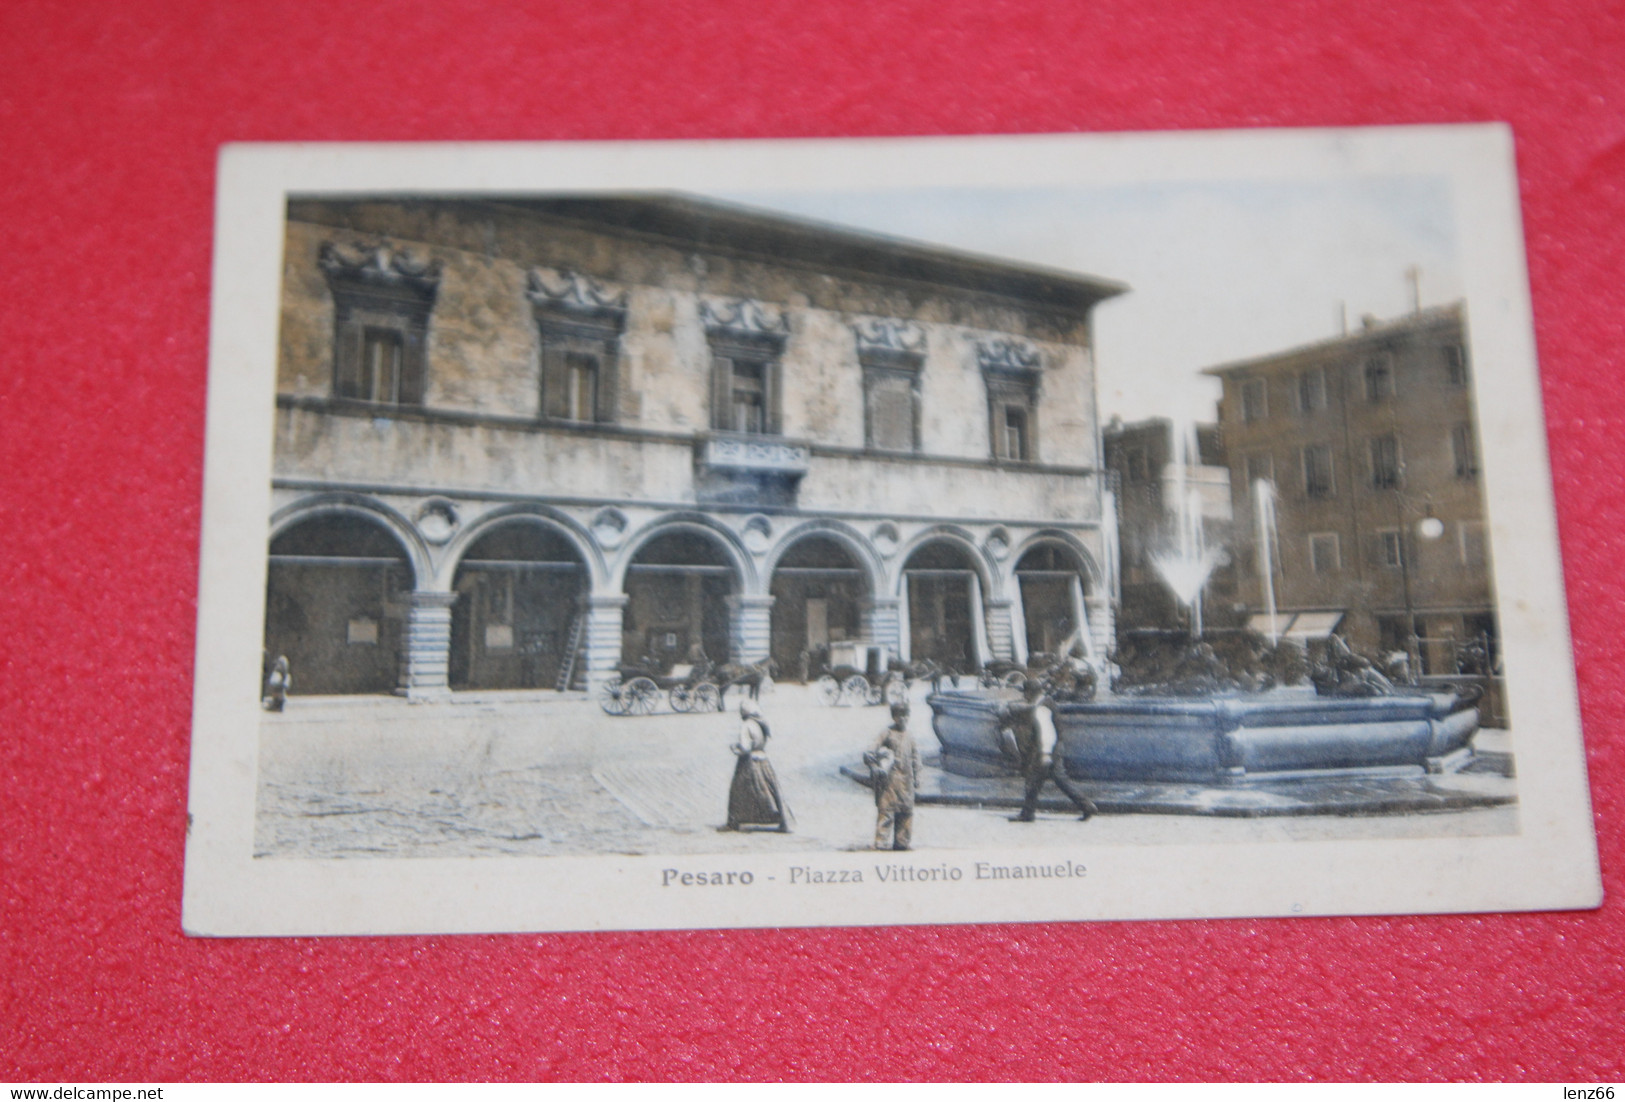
(1550, 864)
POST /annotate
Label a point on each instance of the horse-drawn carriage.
(858, 673)
(698, 686)
(638, 687)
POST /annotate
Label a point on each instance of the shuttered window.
(891, 411)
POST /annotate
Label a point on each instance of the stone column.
(1102, 624)
(999, 634)
(750, 628)
(883, 624)
(428, 647)
(605, 616)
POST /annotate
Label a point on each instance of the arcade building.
(520, 441)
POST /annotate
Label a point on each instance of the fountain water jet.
(1186, 567)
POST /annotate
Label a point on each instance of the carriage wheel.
(896, 691)
(707, 698)
(828, 690)
(681, 699)
(875, 693)
(642, 696)
(1015, 679)
(611, 698)
(855, 690)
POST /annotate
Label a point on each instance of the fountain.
(1186, 567)
(1212, 719)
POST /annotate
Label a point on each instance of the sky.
(1217, 271)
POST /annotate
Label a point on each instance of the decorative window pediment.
(744, 317)
(891, 352)
(747, 347)
(569, 292)
(579, 323)
(381, 267)
(382, 298)
(1008, 354)
(889, 337)
(1011, 368)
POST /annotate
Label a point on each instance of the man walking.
(1032, 724)
(894, 765)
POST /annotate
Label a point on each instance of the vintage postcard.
(856, 532)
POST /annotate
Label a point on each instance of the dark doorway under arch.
(677, 590)
(519, 588)
(336, 600)
(1052, 583)
(819, 590)
(943, 592)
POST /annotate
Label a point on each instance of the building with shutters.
(1369, 443)
(520, 441)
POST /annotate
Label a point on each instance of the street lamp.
(1428, 528)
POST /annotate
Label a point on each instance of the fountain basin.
(1226, 739)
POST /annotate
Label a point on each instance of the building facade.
(1172, 489)
(519, 442)
(1369, 446)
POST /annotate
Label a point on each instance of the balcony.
(738, 468)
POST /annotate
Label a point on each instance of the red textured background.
(109, 121)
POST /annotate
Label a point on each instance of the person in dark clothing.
(1032, 725)
(894, 765)
(754, 799)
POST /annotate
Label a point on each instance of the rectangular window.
(1311, 390)
(1384, 462)
(382, 301)
(1379, 378)
(1317, 471)
(578, 380)
(1455, 365)
(1260, 467)
(1139, 468)
(580, 387)
(749, 397)
(1013, 433)
(1474, 549)
(1324, 556)
(1390, 548)
(891, 401)
(380, 374)
(1463, 447)
(1253, 404)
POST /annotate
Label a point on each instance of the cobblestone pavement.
(540, 775)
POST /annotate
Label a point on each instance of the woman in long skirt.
(754, 799)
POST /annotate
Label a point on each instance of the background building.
(1172, 487)
(1370, 445)
(520, 441)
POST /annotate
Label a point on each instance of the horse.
(749, 678)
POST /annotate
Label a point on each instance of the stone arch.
(684, 581)
(1051, 576)
(1093, 574)
(360, 505)
(521, 581)
(853, 540)
(338, 595)
(740, 558)
(960, 538)
(943, 585)
(823, 581)
(567, 526)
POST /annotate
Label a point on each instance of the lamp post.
(1428, 528)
